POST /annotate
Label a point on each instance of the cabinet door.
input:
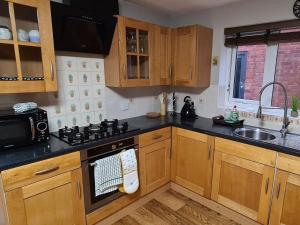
(154, 163)
(57, 200)
(163, 66)
(135, 52)
(184, 50)
(286, 199)
(192, 158)
(242, 185)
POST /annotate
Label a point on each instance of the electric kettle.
(188, 110)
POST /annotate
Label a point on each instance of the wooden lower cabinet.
(240, 182)
(286, 197)
(54, 200)
(154, 163)
(192, 160)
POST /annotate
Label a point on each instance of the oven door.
(17, 131)
(93, 202)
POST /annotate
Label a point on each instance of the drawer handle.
(267, 185)
(157, 137)
(42, 172)
(209, 152)
(79, 189)
(278, 190)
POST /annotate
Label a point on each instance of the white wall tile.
(84, 78)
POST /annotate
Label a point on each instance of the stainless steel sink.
(254, 134)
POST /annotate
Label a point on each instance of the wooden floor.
(172, 208)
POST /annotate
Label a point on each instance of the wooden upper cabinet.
(27, 66)
(192, 160)
(131, 59)
(192, 50)
(51, 194)
(163, 56)
(286, 196)
(243, 178)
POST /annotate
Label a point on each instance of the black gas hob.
(94, 132)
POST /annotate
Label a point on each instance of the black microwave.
(20, 129)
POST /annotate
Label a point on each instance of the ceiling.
(181, 6)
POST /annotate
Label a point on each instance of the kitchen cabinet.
(192, 160)
(27, 66)
(155, 166)
(154, 159)
(131, 59)
(286, 197)
(192, 50)
(163, 56)
(243, 178)
(46, 192)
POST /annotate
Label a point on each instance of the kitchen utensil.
(34, 36)
(188, 110)
(5, 33)
(23, 35)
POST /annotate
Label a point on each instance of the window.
(261, 54)
(255, 65)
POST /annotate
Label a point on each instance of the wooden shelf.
(8, 42)
(29, 44)
(137, 54)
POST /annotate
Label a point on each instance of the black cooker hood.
(84, 25)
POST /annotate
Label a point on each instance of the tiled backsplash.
(81, 95)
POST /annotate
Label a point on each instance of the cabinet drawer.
(28, 174)
(289, 163)
(250, 152)
(154, 136)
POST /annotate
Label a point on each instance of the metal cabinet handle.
(79, 189)
(170, 71)
(267, 185)
(50, 170)
(191, 73)
(157, 137)
(32, 128)
(278, 190)
(124, 71)
(209, 152)
(51, 70)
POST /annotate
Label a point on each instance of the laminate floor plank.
(145, 217)
(166, 213)
(127, 220)
(172, 208)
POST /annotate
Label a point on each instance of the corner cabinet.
(243, 178)
(192, 53)
(130, 62)
(46, 192)
(27, 65)
(192, 160)
(286, 197)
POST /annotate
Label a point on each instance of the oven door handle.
(32, 128)
(93, 164)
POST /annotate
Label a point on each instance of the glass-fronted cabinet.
(27, 59)
(136, 57)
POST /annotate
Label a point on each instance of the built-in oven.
(88, 159)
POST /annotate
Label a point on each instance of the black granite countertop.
(25, 155)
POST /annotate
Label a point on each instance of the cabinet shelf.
(29, 44)
(8, 42)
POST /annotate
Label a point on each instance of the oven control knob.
(42, 126)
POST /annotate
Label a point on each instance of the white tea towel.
(130, 171)
(108, 175)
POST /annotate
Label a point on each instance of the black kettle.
(188, 110)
